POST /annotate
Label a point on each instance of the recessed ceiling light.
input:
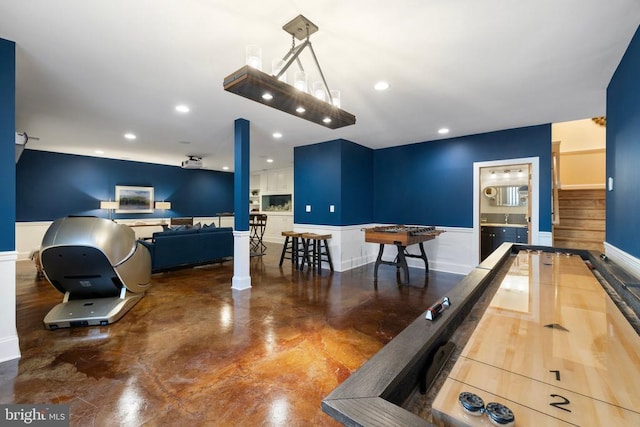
(300, 110)
(99, 152)
(130, 136)
(267, 96)
(326, 120)
(277, 135)
(443, 131)
(381, 86)
(182, 108)
(269, 160)
(225, 168)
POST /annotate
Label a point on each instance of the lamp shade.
(163, 205)
(108, 204)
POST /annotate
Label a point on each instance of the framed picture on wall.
(134, 199)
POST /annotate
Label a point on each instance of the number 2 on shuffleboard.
(564, 401)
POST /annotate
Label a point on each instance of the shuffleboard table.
(552, 348)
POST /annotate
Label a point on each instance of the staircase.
(582, 220)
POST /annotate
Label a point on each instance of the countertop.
(276, 213)
(496, 224)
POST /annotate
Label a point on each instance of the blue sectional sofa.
(172, 249)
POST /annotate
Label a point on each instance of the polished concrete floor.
(195, 352)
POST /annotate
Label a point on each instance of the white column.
(9, 346)
(241, 277)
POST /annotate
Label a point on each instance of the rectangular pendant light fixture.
(268, 90)
(251, 83)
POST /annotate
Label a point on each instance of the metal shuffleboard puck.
(500, 415)
(471, 403)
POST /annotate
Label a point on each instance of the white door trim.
(535, 198)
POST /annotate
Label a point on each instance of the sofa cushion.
(170, 232)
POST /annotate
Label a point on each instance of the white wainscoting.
(545, 238)
(277, 222)
(9, 345)
(449, 252)
(452, 251)
(347, 246)
(626, 261)
(29, 237)
(29, 234)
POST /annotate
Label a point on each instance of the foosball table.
(401, 236)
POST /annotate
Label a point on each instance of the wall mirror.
(507, 195)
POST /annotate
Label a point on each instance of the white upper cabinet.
(277, 181)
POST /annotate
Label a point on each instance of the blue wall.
(423, 183)
(53, 185)
(623, 152)
(317, 182)
(335, 173)
(432, 182)
(357, 185)
(7, 144)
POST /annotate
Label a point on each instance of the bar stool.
(292, 247)
(314, 253)
(257, 225)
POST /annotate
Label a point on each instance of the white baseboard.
(628, 262)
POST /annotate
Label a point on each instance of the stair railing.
(555, 180)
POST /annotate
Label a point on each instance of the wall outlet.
(332, 208)
(307, 208)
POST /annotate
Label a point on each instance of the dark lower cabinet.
(492, 237)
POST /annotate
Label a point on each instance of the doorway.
(506, 195)
(504, 206)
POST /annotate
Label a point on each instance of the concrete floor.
(195, 352)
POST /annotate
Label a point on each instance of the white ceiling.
(89, 71)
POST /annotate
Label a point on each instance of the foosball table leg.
(423, 255)
(378, 261)
(402, 263)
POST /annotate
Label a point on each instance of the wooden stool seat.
(316, 250)
(292, 234)
(292, 248)
(315, 236)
